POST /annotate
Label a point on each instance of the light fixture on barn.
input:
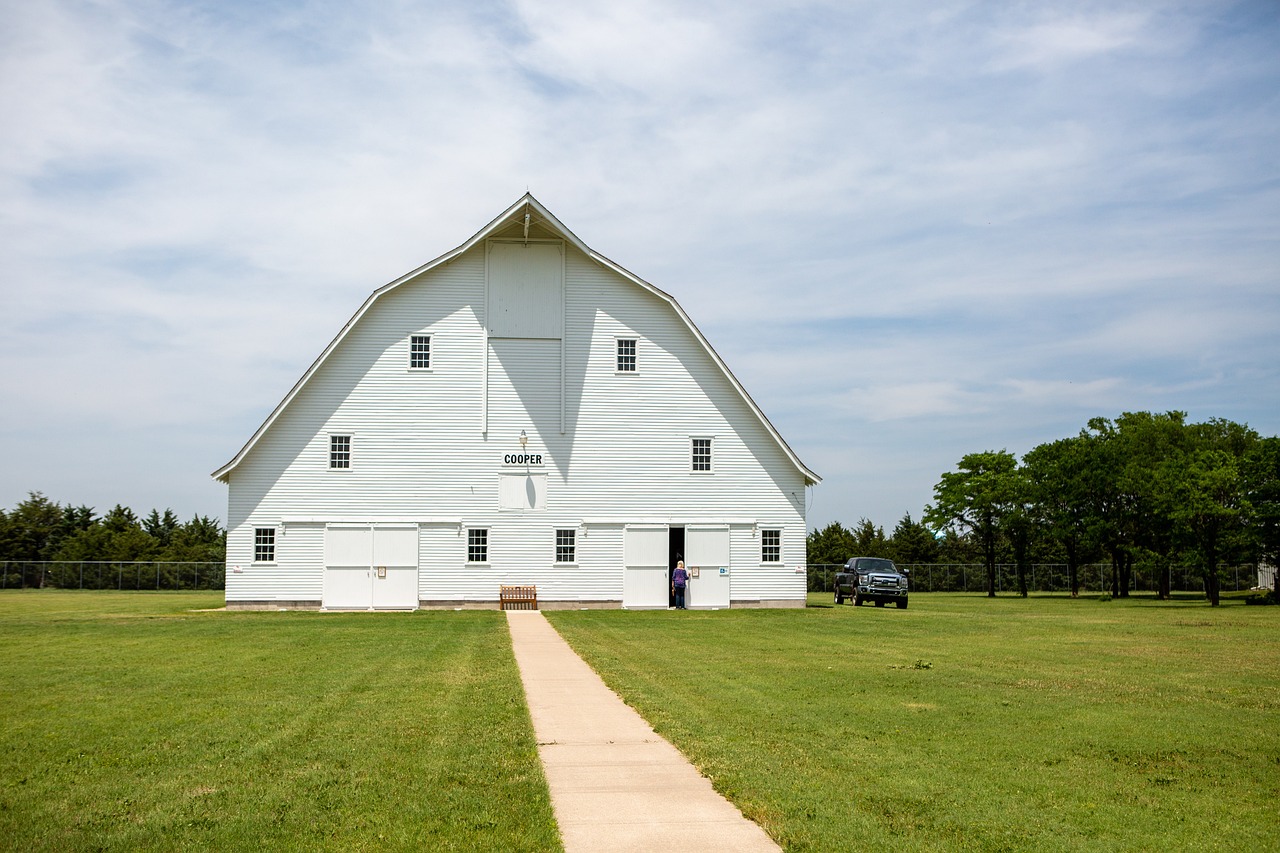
(524, 440)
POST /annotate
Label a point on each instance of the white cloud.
(908, 400)
(1065, 38)
(924, 230)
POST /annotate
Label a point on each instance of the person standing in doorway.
(679, 580)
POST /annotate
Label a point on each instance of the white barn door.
(369, 567)
(644, 578)
(348, 561)
(708, 549)
(395, 568)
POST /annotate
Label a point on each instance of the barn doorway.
(675, 552)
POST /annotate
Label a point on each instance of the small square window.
(340, 451)
(565, 540)
(264, 544)
(477, 545)
(771, 546)
(419, 352)
(626, 355)
(701, 455)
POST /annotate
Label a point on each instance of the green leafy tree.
(1262, 475)
(1212, 501)
(1153, 450)
(1112, 505)
(1022, 524)
(1058, 479)
(977, 499)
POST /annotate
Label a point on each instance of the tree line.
(38, 529)
(1144, 488)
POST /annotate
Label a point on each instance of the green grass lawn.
(965, 723)
(131, 722)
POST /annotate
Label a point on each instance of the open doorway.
(675, 552)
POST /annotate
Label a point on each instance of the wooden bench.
(518, 597)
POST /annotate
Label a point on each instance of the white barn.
(521, 410)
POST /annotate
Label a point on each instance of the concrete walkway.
(615, 784)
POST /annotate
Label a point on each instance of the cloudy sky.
(913, 230)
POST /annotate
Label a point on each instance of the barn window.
(626, 355)
(565, 545)
(264, 544)
(339, 451)
(419, 352)
(771, 546)
(701, 454)
(477, 545)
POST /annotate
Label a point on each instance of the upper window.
(626, 355)
(477, 545)
(419, 352)
(701, 454)
(565, 541)
(771, 546)
(339, 451)
(264, 544)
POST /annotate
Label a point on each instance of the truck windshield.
(876, 566)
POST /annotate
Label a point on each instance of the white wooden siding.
(418, 450)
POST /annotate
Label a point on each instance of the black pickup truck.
(871, 579)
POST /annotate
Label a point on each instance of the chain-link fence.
(1043, 577)
(100, 574)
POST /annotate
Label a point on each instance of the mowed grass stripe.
(133, 723)
(965, 723)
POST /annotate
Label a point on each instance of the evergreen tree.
(913, 542)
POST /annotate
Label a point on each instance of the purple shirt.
(680, 577)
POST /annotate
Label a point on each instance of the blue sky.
(913, 230)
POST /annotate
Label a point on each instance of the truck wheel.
(902, 605)
(857, 600)
(839, 597)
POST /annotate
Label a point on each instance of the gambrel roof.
(525, 212)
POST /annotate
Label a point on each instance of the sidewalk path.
(615, 784)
